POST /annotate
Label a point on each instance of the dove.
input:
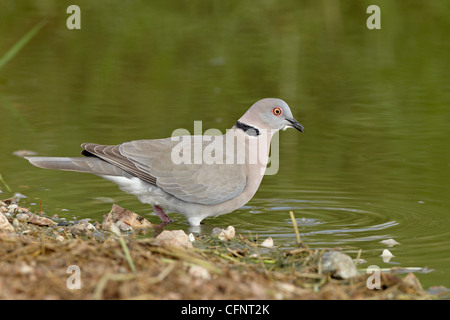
(198, 176)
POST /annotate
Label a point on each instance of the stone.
(386, 255)
(120, 220)
(41, 221)
(12, 207)
(4, 224)
(227, 234)
(83, 228)
(339, 265)
(389, 242)
(132, 219)
(22, 217)
(16, 223)
(199, 272)
(177, 238)
(268, 243)
(18, 196)
(111, 226)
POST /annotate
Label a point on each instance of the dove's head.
(270, 114)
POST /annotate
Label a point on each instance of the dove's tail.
(92, 165)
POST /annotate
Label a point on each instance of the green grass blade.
(127, 254)
(4, 183)
(11, 53)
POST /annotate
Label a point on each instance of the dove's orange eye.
(277, 111)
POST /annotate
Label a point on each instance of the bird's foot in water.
(160, 213)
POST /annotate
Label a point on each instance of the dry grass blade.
(358, 256)
(187, 256)
(294, 222)
(98, 293)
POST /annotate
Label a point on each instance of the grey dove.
(197, 176)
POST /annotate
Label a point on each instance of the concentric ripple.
(321, 222)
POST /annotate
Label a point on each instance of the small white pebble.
(191, 237)
(199, 272)
(386, 255)
(227, 233)
(15, 223)
(389, 242)
(268, 243)
(19, 196)
(26, 269)
(12, 207)
(22, 216)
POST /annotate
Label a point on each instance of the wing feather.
(151, 161)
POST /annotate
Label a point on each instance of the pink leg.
(160, 213)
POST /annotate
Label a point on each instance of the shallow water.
(373, 162)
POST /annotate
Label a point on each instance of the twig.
(358, 256)
(294, 222)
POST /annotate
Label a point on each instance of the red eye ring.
(277, 111)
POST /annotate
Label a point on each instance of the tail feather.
(92, 165)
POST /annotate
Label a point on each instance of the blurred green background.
(372, 164)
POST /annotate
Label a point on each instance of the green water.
(372, 164)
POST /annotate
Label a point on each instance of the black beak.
(295, 124)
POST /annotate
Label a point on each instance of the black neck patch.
(251, 131)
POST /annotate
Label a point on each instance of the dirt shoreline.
(43, 258)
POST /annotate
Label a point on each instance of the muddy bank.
(46, 259)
